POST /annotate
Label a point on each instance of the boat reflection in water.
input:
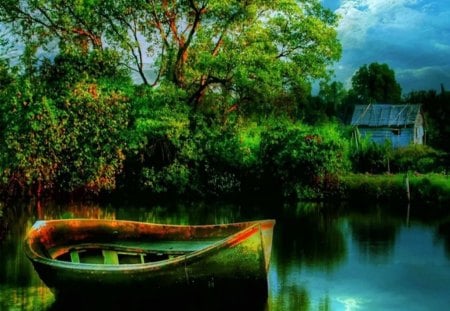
(115, 262)
(237, 297)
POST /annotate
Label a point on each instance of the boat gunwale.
(255, 226)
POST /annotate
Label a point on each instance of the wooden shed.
(400, 124)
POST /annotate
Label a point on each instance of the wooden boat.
(108, 256)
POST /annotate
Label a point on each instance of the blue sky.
(411, 36)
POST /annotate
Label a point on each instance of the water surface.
(325, 257)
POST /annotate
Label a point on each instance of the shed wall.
(401, 137)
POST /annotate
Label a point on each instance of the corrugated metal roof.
(384, 115)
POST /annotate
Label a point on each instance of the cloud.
(359, 17)
(425, 78)
(411, 36)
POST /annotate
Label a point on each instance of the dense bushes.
(77, 123)
(302, 161)
(60, 136)
(418, 158)
(197, 156)
(369, 157)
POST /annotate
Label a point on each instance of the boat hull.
(238, 257)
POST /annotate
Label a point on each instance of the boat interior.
(125, 253)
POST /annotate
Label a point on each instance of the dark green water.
(324, 257)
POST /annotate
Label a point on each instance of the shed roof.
(377, 115)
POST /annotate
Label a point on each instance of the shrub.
(95, 119)
(71, 138)
(381, 187)
(418, 158)
(302, 160)
(369, 157)
(157, 141)
(430, 188)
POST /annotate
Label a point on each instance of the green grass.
(424, 188)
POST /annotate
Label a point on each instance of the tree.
(436, 107)
(41, 22)
(62, 127)
(227, 56)
(30, 138)
(375, 82)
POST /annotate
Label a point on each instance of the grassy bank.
(424, 188)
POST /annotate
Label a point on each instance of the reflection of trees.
(3, 223)
(26, 298)
(305, 236)
(191, 213)
(51, 210)
(292, 298)
(14, 266)
(374, 234)
(443, 232)
(313, 238)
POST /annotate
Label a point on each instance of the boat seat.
(74, 256)
(110, 257)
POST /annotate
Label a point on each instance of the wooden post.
(408, 212)
(408, 193)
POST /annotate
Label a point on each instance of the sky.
(411, 36)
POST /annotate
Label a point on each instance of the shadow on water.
(311, 236)
(443, 234)
(204, 300)
(375, 236)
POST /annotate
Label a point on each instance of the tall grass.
(424, 188)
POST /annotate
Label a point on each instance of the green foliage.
(158, 114)
(369, 157)
(254, 56)
(436, 108)
(95, 119)
(417, 158)
(157, 145)
(67, 69)
(72, 138)
(429, 188)
(30, 138)
(327, 106)
(173, 178)
(303, 161)
(6, 75)
(363, 187)
(376, 82)
(229, 156)
(197, 125)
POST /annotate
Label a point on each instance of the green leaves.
(31, 137)
(247, 53)
(376, 82)
(304, 161)
(69, 139)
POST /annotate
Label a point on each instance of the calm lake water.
(324, 257)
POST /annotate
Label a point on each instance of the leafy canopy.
(243, 55)
(376, 82)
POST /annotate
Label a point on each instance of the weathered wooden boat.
(108, 256)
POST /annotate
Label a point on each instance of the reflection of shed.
(400, 124)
